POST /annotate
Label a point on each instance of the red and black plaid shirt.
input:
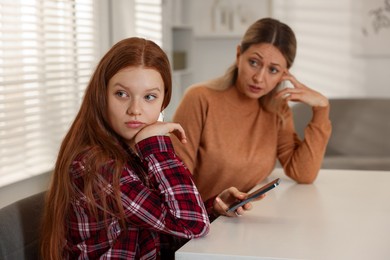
(158, 196)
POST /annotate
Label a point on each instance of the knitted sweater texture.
(233, 141)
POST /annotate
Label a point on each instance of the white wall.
(333, 57)
(121, 20)
(213, 57)
(371, 29)
(24, 188)
(377, 81)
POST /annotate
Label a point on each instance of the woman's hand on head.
(161, 128)
(227, 198)
(301, 93)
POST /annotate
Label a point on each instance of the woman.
(239, 124)
(117, 184)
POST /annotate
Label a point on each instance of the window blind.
(148, 20)
(47, 54)
(325, 60)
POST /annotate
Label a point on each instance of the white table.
(345, 214)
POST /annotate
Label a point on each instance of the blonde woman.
(240, 124)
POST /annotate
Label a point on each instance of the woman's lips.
(134, 124)
(255, 89)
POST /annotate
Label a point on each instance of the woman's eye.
(121, 94)
(253, 63)
(150, 97)
(273, 70)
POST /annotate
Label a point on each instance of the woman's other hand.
(301, 93)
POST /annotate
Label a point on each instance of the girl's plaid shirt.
(158, 196)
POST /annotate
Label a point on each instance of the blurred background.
(48, 50)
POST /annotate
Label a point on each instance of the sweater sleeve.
(302, 159)
(174, 206)
(190, 114)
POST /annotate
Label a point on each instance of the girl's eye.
(150, 97)
(121, 93)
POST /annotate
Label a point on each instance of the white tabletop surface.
(345, 214)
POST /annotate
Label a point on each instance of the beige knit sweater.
(233, 141)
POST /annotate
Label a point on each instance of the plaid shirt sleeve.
(170, 203)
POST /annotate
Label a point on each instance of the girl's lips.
(134, 124)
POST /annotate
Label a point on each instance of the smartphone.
(257, 193)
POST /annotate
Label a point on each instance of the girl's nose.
(134, 108)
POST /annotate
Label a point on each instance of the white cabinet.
(227, 18)
(201, 36)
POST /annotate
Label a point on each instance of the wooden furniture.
(343, 215)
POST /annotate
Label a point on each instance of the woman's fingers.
(221, 207)
(227, 198)
(301, 93)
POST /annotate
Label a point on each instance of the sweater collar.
(240, 101)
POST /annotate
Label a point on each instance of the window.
(325, 59)
(148, 20)
(48, 50)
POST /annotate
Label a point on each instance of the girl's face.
(135, 97)
(260, 69)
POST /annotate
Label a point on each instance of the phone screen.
(257, 193)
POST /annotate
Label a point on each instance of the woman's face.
(135, 97)
(260, 69)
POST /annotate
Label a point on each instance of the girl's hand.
(228, 197)
(301, 93)
(161, 128)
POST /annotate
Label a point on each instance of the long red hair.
(91, 133)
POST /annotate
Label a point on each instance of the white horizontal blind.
(47, 54)
(325, 59)
(148, 20)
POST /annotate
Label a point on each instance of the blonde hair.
(266, 30)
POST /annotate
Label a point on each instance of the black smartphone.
(257, 193)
